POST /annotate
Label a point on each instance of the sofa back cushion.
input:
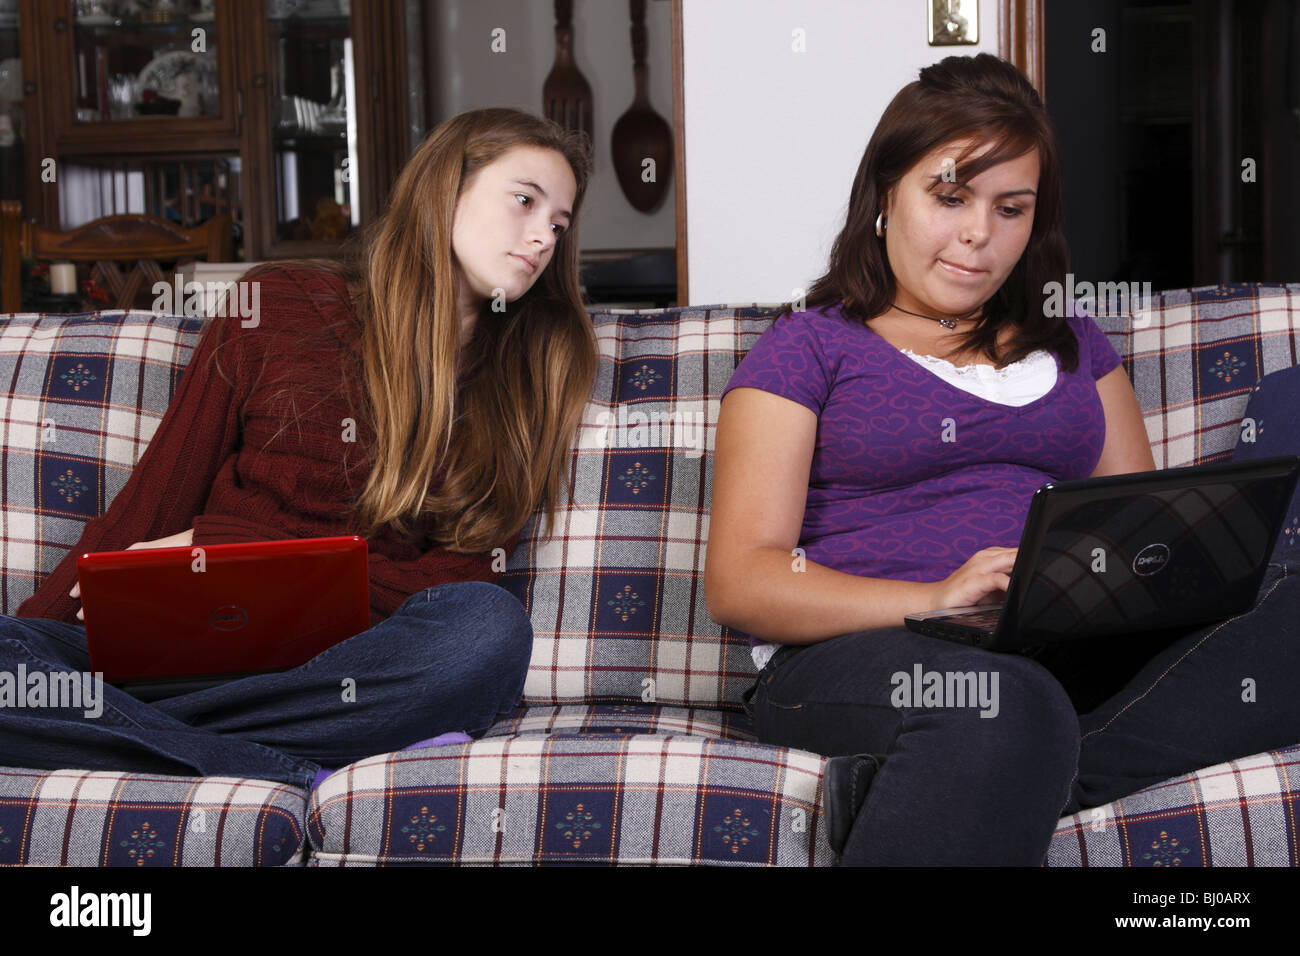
(616, 595)
(1195, 357)
(83, 395)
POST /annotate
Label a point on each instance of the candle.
(63, 278)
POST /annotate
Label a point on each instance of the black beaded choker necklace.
(946, 323)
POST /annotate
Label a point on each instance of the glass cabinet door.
(140, 58)
(12, 174)
(313, 118)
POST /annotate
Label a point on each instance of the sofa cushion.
(616, 596)
(630, 799)
(1239, 813)
(83, 396)
(98, 818)
(1194, 357)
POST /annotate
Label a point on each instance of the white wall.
(469, 75)
(773, 137)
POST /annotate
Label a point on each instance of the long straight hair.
(466, 446)
(984, 100)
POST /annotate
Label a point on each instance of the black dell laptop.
(1135, 553)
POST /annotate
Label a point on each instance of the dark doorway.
(1180, 141)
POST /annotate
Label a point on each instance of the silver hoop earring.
(881, 224)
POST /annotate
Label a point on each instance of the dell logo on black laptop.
(228, 617)
(1151, 559)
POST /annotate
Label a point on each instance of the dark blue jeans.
(1079, 728)
(451, 657)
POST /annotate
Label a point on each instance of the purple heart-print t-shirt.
(911, 475)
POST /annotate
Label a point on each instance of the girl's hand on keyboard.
(983, 579)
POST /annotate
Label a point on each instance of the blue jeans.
(451, 657)
(1073, 729)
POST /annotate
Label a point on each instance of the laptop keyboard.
(977, 618)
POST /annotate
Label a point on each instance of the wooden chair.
(124, 252)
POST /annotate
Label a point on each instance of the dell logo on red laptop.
(228, 617)
(1151, 559)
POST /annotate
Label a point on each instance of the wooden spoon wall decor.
(641, 133)
(566, 94)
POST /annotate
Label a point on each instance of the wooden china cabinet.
(288, 115)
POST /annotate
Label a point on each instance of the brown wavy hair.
(466, 444)
(987, 101)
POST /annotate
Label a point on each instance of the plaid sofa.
(630, 744)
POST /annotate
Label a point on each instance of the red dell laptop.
(164, 621)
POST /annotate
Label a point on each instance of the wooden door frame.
(1020, 42)
(679, 149)
(1021, 39)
